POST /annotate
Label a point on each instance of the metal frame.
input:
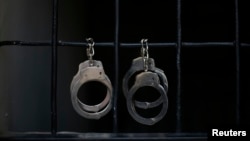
(55, 43)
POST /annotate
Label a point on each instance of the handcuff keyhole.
(100, 73)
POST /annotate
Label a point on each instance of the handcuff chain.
(144, 53)
(90, 50)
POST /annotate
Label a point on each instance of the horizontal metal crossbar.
(111, 44)
(108, 136)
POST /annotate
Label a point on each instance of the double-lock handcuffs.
(148, 75)
(91, 70)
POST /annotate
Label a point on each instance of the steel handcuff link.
(138, 66)
(91, 70)
(147, 70)
(147, 79)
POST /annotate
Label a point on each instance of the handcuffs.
(148, 75)
(91, 70)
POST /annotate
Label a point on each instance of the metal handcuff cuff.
(91, 70)
(148, 75)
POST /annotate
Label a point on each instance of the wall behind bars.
(25, 71)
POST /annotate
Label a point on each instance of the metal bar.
(244, 44)
(207, 44)
(81, 44)
(109, 136)
(178, 66)
(25, 43)
(150, 44)
(237, 54)
(54, 69)
(183, 44)
(129, 45)
(48, 43)
(115, 121)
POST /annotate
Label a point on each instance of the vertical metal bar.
(54, 69)
(115, 121)
(178, 66)
(237, 54)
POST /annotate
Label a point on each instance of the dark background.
(208, 74)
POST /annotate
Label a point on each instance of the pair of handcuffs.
(91, 70)
(150, 76)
